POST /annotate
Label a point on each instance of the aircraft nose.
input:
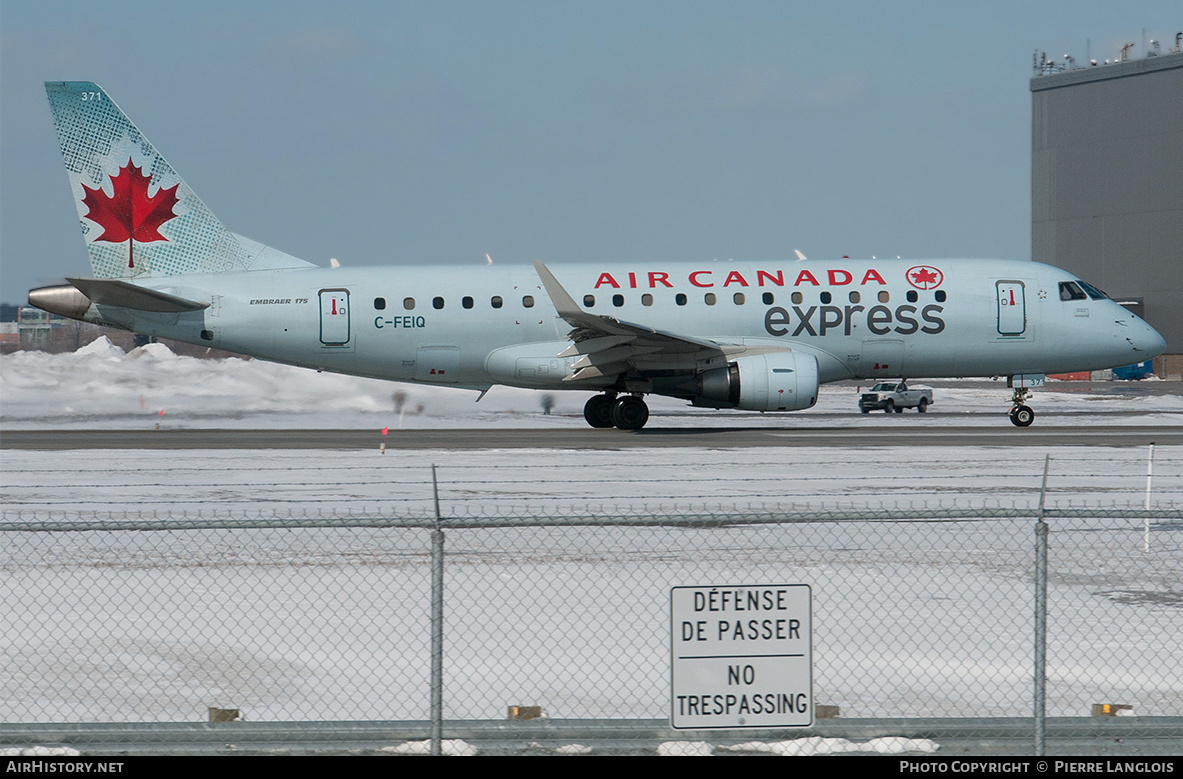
(1146, 342)
(1155, 343)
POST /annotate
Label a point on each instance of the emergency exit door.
(334, 317)
(1012, 308)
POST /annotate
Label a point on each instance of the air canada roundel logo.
(925, 277)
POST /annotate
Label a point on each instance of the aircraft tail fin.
(139, 218)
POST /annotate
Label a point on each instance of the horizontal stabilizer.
(112, 292)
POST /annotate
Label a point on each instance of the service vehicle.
(895, 396)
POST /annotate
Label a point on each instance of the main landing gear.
(627, 413)
(1021, 415)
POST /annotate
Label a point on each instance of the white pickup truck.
(891, 396)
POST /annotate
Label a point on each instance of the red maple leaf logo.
(130, 214)
(925, 277)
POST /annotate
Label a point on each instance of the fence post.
(1041, 615)
(1146, 521)
(437, 625)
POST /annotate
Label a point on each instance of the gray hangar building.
(1107, 184)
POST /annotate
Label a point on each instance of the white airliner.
(745, 335)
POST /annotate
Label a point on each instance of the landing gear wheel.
(888, 407)
(598, 410)
(630, 413)
(923, 405)
(1022, 416)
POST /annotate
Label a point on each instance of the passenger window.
(409, 304)
(528, 301)
(618, 300)
(709, 298)
(826, 298)
(646, 299)
(680, 298)
(495, 301)
(589, 301)
(912, 296)
(854, 297)
(466, 301)
(940, 296)
(379, 304)
(738, 298)
(437, 302)
(884, 296)
(798, 298)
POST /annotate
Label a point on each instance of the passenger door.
(334, 318)
(1012, 308)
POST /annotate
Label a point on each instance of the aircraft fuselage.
(858, 318)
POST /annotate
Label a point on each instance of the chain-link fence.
(917, 612)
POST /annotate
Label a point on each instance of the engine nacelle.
(780, 381)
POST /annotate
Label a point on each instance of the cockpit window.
(1094, 293)
(1069, 291)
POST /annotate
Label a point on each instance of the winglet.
(562, 301)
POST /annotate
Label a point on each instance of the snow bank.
(818, 745)
(452, 747)
(38, 752)
(101, 387)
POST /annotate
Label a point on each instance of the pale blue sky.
(388, 133)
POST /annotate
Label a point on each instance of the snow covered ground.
(540, 482)
(925, 619)
(101, 386)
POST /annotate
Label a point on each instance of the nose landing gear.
(1021, 415)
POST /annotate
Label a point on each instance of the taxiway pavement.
(1003, 436)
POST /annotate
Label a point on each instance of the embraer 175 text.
(747, 335)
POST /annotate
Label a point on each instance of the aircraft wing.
(609, 346)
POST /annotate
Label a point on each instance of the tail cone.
(64, 300)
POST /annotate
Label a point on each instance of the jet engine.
(780, 381)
